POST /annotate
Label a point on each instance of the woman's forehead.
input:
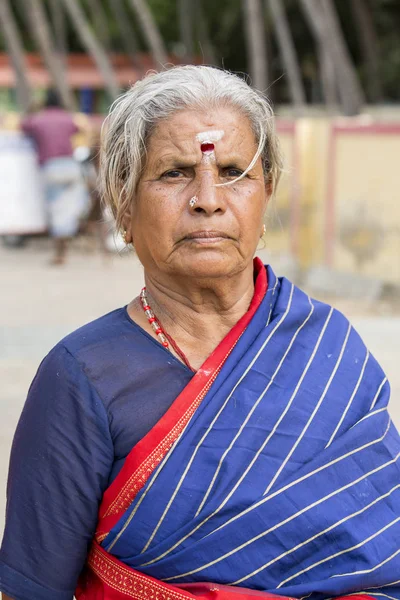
(193, 129)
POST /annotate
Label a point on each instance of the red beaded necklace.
(163, 336)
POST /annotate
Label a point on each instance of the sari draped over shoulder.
(275, 471)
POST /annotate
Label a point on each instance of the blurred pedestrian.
(52, 129)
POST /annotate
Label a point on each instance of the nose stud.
(193, 201)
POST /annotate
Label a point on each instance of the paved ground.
(40, 304)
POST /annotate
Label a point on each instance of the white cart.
(22, 205)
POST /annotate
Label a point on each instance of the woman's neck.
(198, 315)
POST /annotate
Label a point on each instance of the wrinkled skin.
(175, 171)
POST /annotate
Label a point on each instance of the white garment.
(66, 194)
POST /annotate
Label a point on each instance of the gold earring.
(264, 230)
(124, 235)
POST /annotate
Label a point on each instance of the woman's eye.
(172, 174)
(232, 172)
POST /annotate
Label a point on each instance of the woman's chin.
(211, 264)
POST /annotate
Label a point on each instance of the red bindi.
(207, 147)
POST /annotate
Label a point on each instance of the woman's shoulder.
(104, 330)
(80, 365)
(297, 301)
(93, 347)
(328, 324)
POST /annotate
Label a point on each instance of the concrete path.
(40, 304)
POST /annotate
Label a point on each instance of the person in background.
(51, 129)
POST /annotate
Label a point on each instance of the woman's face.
(187, 155)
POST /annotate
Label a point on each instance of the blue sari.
(284, 479)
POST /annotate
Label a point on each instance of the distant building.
(83, 76)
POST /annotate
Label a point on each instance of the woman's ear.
(126, 224)
(268, 191)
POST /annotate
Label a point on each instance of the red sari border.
(150, 450)
(110, 579)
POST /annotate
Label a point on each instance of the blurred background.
(332, 71)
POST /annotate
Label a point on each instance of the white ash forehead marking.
(210, 137)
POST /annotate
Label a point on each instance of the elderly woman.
(223, 427)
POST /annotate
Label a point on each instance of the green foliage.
(387, 20)
(166, 16)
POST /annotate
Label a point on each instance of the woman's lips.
(206, 236)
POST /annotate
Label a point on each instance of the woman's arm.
(6, 597)
(60, 463)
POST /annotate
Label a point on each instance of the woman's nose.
(210, 199)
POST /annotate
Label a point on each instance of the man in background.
(51, 130)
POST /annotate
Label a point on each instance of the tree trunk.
(186, 28)
(206, 45)
(93, 46)
(315, 19)
(59, 28)
(256, 43)
(350, 91)
(288, 53)
(228, 21)
(99, 19)
(41, 32)
(335, 59)
(328, 77)
(150, 31)
(128, 38)
(15, 50)
(369, 46)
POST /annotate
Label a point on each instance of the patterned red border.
(110, 579)
(119, 581)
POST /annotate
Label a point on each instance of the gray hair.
(157, 96)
